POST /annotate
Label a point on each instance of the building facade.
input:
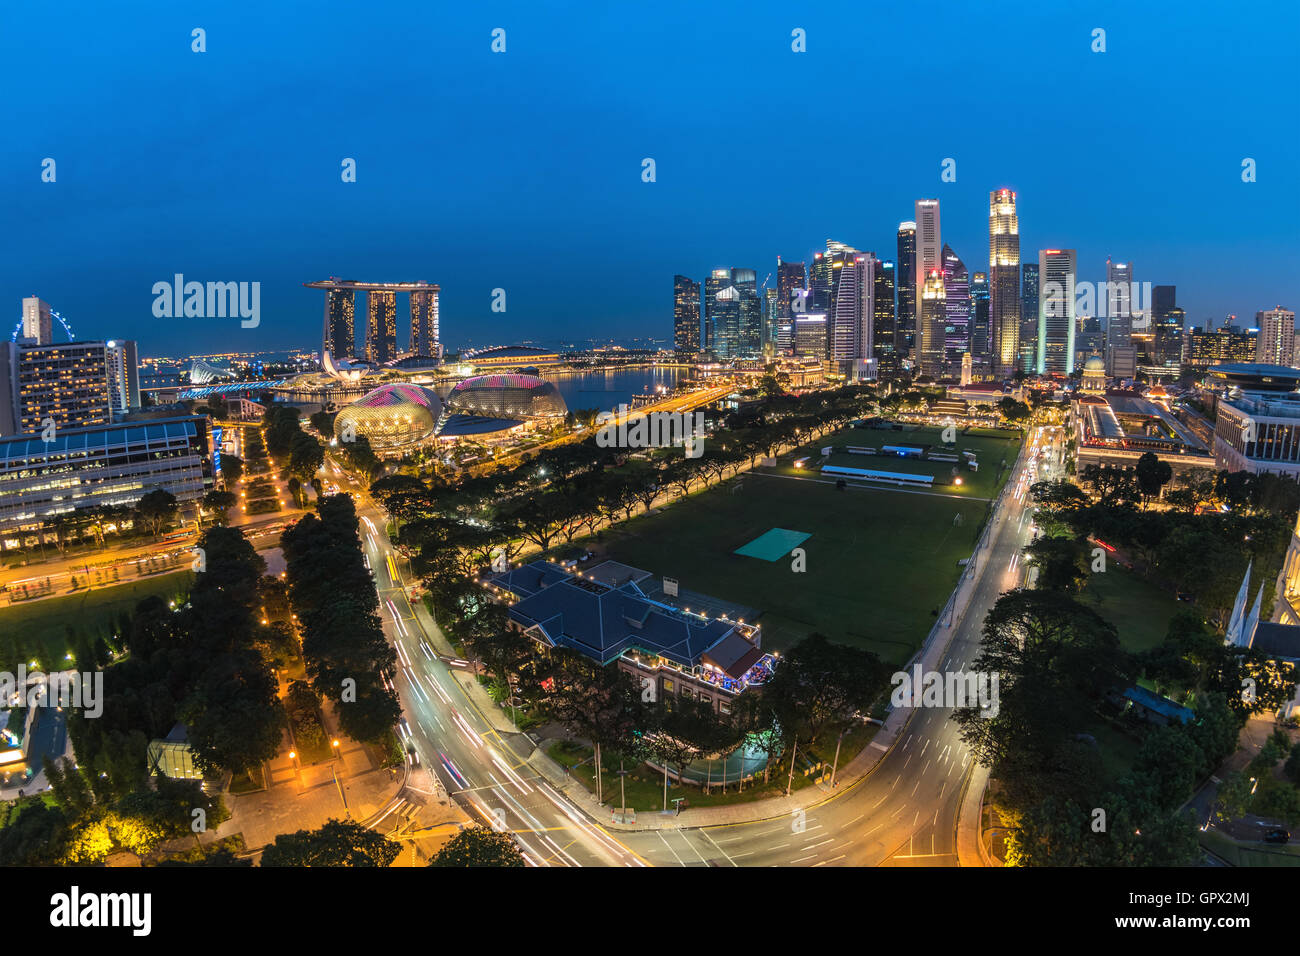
(1056, 319)
(686, 314)
(1004, 280)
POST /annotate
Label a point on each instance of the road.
(904, 813)
(483, 771)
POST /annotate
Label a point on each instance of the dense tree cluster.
(343, 640)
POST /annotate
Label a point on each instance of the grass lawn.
(881, 562)
(45, 623)
(1138, 609)
(1243, 854)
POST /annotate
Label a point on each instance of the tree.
(306, 455)
(1062, 563)
(823, 686)
(479, 846)
(219, 503)
(233, 468)
(337, 843)
(155, 510)
(1152, 474)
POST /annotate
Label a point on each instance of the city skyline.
(253, 188)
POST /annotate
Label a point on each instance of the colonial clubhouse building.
(606, 615)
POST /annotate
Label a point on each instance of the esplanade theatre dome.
(510, 395)
(393, 417)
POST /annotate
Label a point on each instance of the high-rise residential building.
(931, 324)
(381, 327)
(424, 323)
(981, 334)
(123, 377)
(1275, 344)
(884, 324)
(1006, 296)
(66, 385)
(929, 247)
(38, 325)
(1167, 321)
(957, 305)
(1028, 316)
(905, 283)
(791, 284)
(686, 314)
(340, 338)
(1121, 354)
(1056, 319)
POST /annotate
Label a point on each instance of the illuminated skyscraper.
(381, 327)
(1028, 346)
(340, 329)
(931, 323)
(850, 333)
(37, 322)
(686, 314)
(905, 283)
(980, 335)
(1004, 280)
(884, 326)
(1275, 344)
(791, 279)
(928, 250)
(424, 324)
(820, 281)
(1056, 319)
(1121, 355)
(123, 367)
(957, 305)
(1167, 321)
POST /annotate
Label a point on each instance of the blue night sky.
(523, 170)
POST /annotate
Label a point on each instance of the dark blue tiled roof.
(602, 622)
(1161, 705)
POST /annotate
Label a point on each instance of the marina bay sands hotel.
(381, 324)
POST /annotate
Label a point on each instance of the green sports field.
(880, 561)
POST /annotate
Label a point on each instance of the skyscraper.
(1121, 355)
(791, 280)
(981, 336)
(735, 314)
(381, 327)
(884, 324)
(1275, 344)
(905, 283)
(715, 282)
(819, 284)
(37, 323)
(340, 338)
(1167, 321)
(1005, 298)
(686, 314)
(1056, 320)
(123, 369)
(928, 249)
(850, 333)
(957, 305)
(424, 324)
(1028, 316)
(932, 320)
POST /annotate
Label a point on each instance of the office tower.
(810, 335)
(957, 305)
(981, 336)
(771, 306)
(1167, 322)
(1275, 344)
(37, 323)
(714, 282)
(1056, 320)
(123, 377)
(884, 327)
(340, 338)
(1006, 322)
(819, 284)
(749, 333)
(1228, 344)
(424, 324)
(1121, 355)
(1028, 316)
(931, 323)
(928, 249)
(381, 327)
(65, 384)
(686, 314)
(850, 332)
(905, 284)
(791, 280)
(1089, 339)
